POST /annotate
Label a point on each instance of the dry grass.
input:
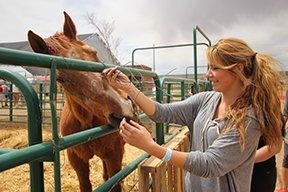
(14, 135)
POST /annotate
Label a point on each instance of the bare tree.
(105, 30)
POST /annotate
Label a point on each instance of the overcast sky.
(144, 23)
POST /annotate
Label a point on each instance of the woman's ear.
(240, 67)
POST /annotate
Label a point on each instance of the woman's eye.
(213, 68)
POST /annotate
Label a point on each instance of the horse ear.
(69, 27)
(37, 43)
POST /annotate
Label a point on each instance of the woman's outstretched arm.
(119, 80)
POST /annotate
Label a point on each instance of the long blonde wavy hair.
(261, 85)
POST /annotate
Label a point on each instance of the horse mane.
(60, 43)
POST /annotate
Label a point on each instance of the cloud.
(142, 23)
(17, 17)
(263, 24)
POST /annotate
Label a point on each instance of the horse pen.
(43, 148)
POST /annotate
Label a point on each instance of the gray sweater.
(215, 163)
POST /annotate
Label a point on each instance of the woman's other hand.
(136, 135)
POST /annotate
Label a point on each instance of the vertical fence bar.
(182, 90)
(195, 55)
(41, 95)
(53, 103)
(159, 98)
(197, 28)
(169, 86)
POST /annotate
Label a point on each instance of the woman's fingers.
(137, 125)
(135, 134)
(123, 135)
(110, 71)
(113, 71)
(106, 71)
(116, 78)
(115, 74)
(123, 121)
(125, 132)
(129, 128)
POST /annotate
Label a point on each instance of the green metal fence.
(38, 151)
(16, 111)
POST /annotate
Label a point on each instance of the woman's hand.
(117, 79)
(136, 135)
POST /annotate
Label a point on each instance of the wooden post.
(143, 179)
(165, 177)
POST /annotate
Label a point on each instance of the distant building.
(142, 82)
(19, 70)
(92, 39)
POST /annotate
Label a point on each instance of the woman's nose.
(209, 74)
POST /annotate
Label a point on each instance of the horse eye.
(73, 54)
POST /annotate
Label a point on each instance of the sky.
(145, 23)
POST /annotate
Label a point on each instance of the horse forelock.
(61, 45)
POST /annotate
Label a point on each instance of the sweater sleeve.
(183, 112)
(225, 154)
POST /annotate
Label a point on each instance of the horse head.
(88, 94)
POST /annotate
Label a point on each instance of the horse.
(89, 102)
(3, 92)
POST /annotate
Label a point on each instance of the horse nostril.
(115, 120)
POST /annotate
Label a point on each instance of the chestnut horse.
(89, 102)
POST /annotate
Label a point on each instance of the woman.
(225, 125)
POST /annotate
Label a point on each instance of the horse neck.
(82, 115)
